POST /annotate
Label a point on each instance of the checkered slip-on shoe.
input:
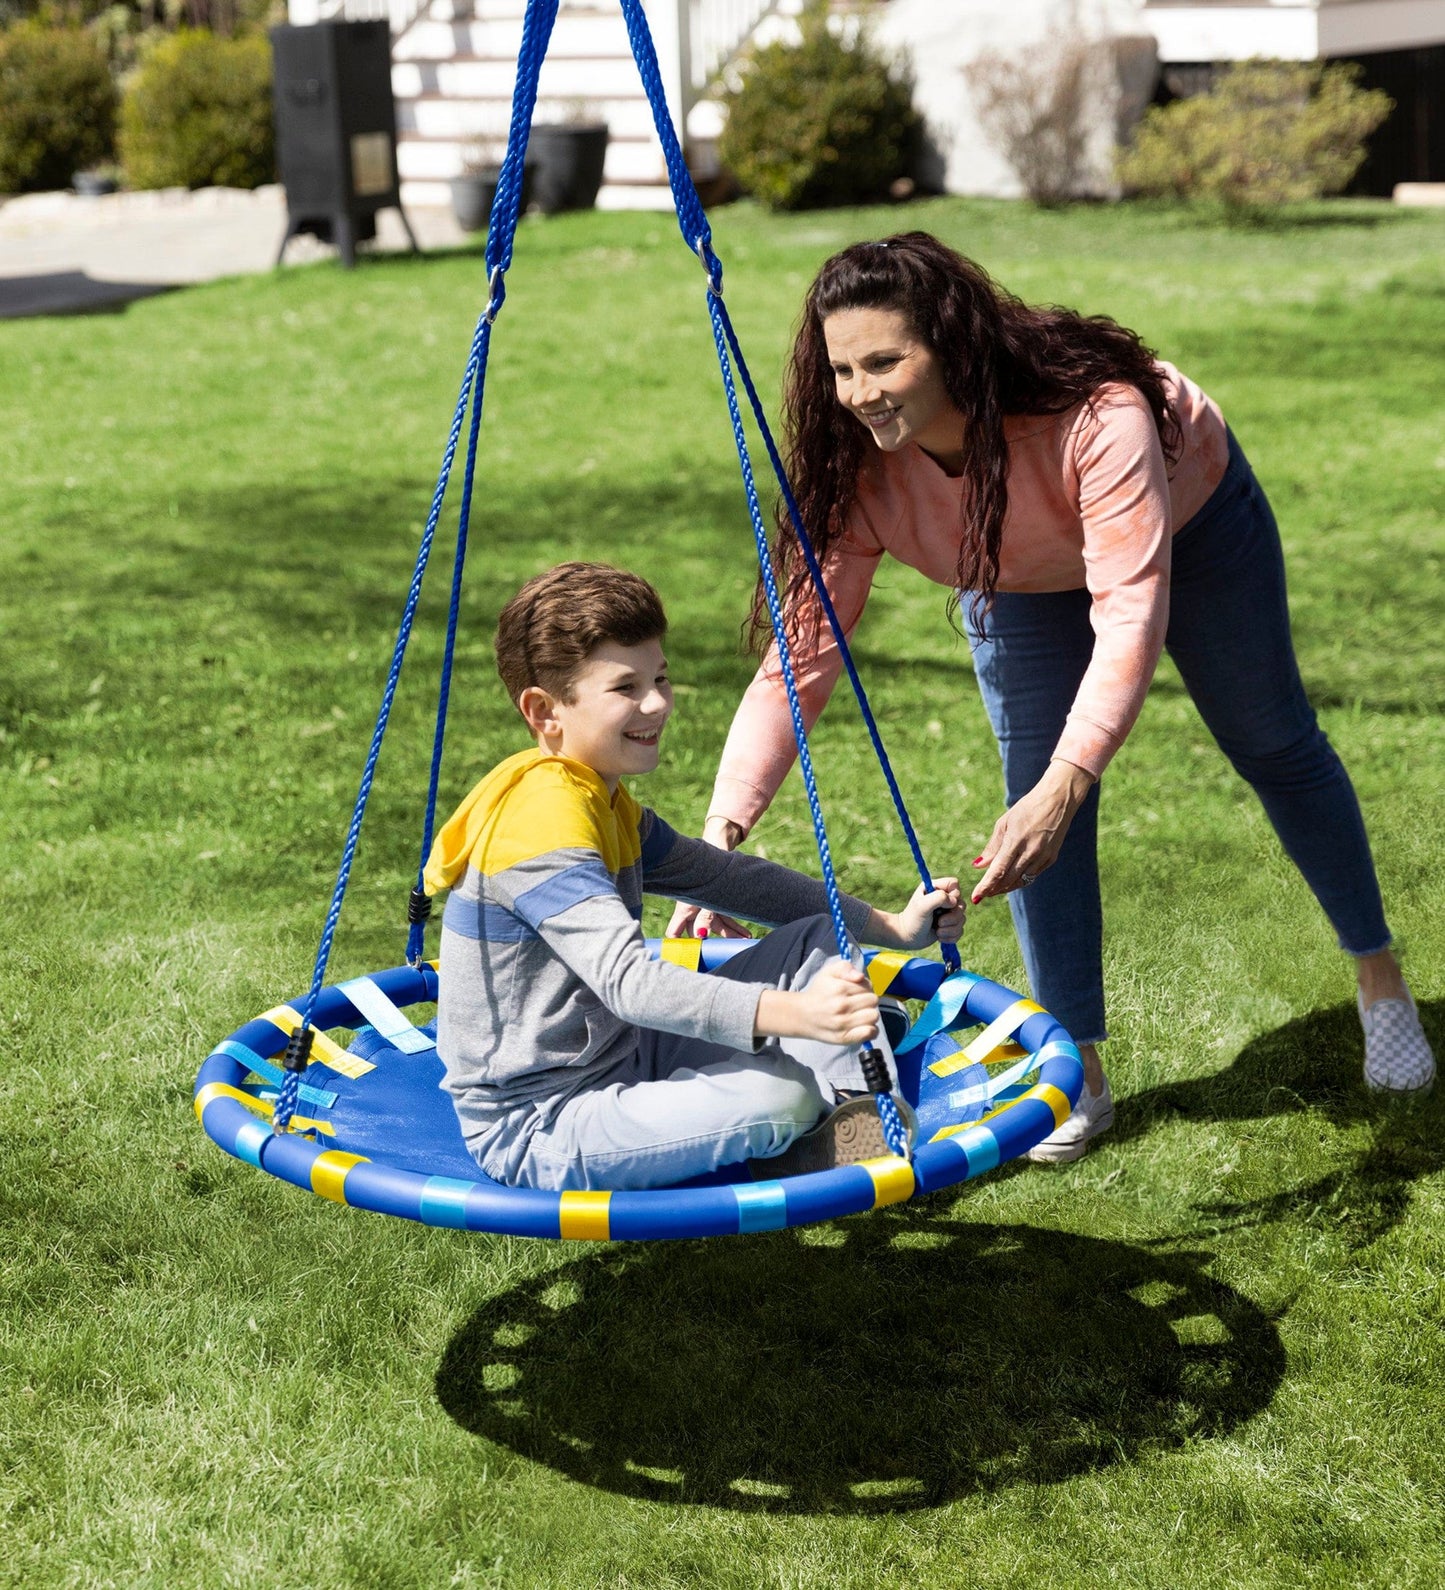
(1094, 1113)
(851, 1132)
(1397, 1052)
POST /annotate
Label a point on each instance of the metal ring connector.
(712, 266)
(496, 295)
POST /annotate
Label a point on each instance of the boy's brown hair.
(554, 623)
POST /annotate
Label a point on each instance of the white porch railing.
(717, 30)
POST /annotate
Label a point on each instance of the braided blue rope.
(895, 1134)
(506, 208)
(692, 219)
(697, 234)
(416, 935)
(507, 205)
(810, 557)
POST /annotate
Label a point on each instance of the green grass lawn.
(1209, 1354)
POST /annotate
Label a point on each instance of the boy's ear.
(537, 707)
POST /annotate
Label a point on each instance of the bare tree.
(1035, 104)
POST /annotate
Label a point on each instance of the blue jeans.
(1229, 637)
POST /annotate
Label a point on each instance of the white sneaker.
(1094, 1113)
(1397, 1052)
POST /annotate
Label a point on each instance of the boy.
(575, 1060)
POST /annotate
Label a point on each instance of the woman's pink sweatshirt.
(1091, 504)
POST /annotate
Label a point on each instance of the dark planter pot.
(569, 166)
(474, 192)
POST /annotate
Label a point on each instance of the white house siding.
(1295, 30)
(941, 37)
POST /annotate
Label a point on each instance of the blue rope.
(692, 219)
(810, 557)
(501, 236)
(697, 234)
(506, 209)
(895, 1134)
(416, 935)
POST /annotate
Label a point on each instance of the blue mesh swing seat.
(371, 1127)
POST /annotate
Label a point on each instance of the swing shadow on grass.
(906, 1358)
(884, 1363)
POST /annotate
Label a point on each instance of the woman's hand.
(1027, 839)
(690, 921)
(914, 927)
(838, 1006)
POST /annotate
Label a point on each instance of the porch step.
(437, 158)
(614, 195)
(453, 77)
(455, 108)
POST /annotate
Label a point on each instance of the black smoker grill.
(336, 131)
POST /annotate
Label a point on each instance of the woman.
(1089, 507)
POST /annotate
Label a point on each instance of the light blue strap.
(387, 1017)
(1000, 1082)
(942, 1012)
(322, 1098)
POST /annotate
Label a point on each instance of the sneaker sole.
(853, 1132)
(1382, 1090)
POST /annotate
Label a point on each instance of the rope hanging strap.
(692, 221)
(697, 234)
(506, 209)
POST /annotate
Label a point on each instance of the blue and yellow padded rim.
(375, 1131)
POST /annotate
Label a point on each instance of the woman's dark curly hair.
(1000, 356)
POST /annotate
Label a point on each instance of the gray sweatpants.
(679, 1107)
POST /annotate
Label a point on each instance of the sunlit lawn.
(1211, 1353)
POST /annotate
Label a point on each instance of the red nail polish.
(978, 861)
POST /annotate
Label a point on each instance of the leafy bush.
(199, 113)
(57, 106)
(1267, 133)
(829, 120)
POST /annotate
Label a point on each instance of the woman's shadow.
(890, 1361)
(1313, 1064)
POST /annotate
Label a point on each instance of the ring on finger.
(1027, 877)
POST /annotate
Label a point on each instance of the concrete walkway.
(61, 254)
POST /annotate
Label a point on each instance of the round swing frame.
(233, 1112)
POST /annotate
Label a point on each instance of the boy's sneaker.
(850, 1133)
(1397, 1053)
(1094, 1113)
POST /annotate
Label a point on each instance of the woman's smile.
(891, 381)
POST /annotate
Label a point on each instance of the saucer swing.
(370, 1126)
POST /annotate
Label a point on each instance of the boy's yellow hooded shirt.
(528, 805)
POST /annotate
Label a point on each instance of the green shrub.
(1267, 133)
(57, 106)
(826, 121)
(198, 113)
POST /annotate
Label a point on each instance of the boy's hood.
(459, 835)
